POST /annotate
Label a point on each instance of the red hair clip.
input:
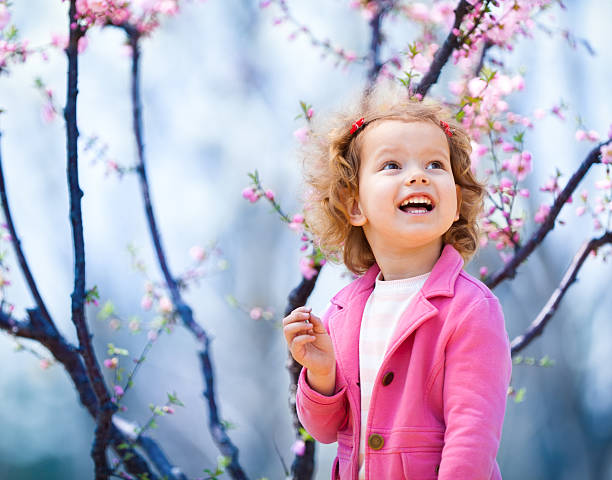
(446, 128)
(356, 125)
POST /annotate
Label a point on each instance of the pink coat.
(438, 404)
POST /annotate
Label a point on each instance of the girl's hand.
(308, 341)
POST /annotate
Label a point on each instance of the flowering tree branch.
(106, 407)
(537, 326)
(509, 270)
(217, 428)
(37, 328)
(444, 53)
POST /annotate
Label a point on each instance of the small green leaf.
(231, 301)
(106, 311)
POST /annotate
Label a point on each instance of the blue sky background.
(221, 88)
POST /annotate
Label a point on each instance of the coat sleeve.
(321, 415)
(477, 373)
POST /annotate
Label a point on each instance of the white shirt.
(388, 301)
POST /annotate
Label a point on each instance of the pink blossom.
(518, 82)
(507, 147)
(269, 194)
(301, 134)
(82, 45)
(111, 363)
(603, 184)
(298, 218)
(520, 165)
(265, 3)
(250, 194)
(120, 16)
(348, 55)
(483, 271)
(146, 303)
(168, 410)
(606, 153)
(114, 323)
(134, 325)
(59, 41)
(542, 213)
(118, 390)
(256, 313)
(596, 224)
(580, 211)
(44, 364)
(152, 335)
(584, 195)
(505, 183)
(165, 305)
(307, 267)
(476, 86)
(310, 113)
(505, 256)
(592, 135)
(420, 63)
(299, 447)
(167, 7)
(581, 135)
(5, 16)
(197, 253)
(48, 112)
(524, 193)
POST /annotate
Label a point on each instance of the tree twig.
(217, 429)
(509, 270)
(537, 326)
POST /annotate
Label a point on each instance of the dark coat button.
(387, 379)
(375, 441)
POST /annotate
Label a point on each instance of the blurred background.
(221, 87)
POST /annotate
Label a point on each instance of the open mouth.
(417, 205)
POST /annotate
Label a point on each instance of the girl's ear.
(356, 216)
(458, 188)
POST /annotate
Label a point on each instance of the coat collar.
(346, 320)
(441, 281)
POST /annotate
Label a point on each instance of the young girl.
(408, 369)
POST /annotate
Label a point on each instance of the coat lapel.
(345, 323)
(441, 282)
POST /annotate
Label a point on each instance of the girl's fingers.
(292, 329)
(298, 315)
(301, 340)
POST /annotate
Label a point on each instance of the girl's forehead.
(399, 134)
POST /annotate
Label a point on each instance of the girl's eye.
(435, 164)
(390, 165)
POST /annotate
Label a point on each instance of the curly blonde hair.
(331, 161)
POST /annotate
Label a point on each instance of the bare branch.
(18, 251)
(217, 428)
(377, 39)
(106, 407)
(509, 270)
(537, 326)
(302, 467)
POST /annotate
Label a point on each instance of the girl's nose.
(417, 178)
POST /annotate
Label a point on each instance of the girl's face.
(407, 194)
